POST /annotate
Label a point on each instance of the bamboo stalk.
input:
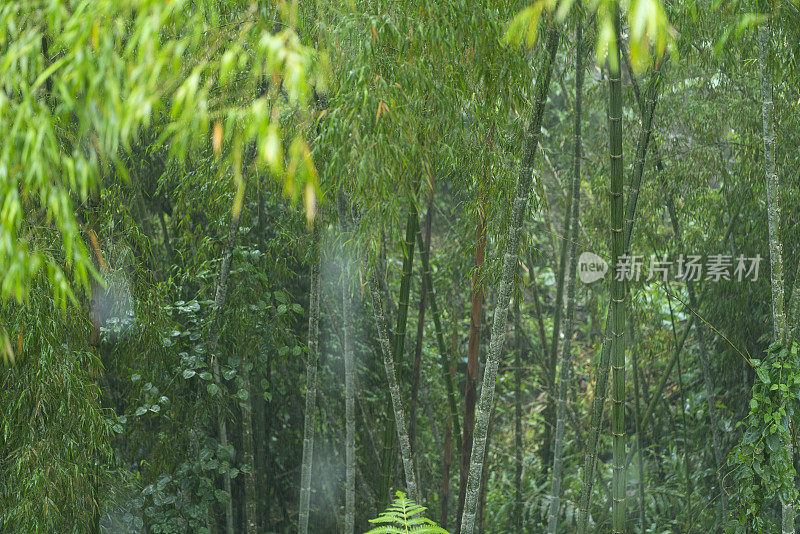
(566, 355)
(510, 263)
(774, 224)
(601, 383)
(618, 294)
(311, 385)
(394, 388)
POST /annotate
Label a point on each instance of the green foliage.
(82, 79)
(404, 515)
(55, 437)
(763, 466)
(651, 34)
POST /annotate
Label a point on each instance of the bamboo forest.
(399, 266)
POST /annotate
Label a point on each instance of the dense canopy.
(399, 266)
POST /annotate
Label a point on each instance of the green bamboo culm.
(572, 239)
(394, 387)
(349, 382)
(617, 286)
(398, 346)
(350, 410)
(774, 225)
(220, 298)
(533, 135)
(604, 366)
(638, 426)
(517, 412)
(311, 385)
(443, 353)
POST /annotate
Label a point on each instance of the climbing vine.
(761, 460)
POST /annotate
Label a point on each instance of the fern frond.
(404, 516)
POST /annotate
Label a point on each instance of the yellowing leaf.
(96, 35)
(271, 149)
(310, 201)
(216, 138)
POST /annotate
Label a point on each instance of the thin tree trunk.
(445, 472)
(572, 238)
(167, 243)
(601, 383)
(473, 351)
(550, 417)
(537, 306)
(451, 370)
(485, 482)
(774, 223)
(517, 413)
(311, 385)
(437, 323)
(350, 408)
(510, 261)
(405, 281)
(706, 367)
(683, 422)
(424, 250)
(793, 309)
(618, 296)
(219, 303)
(398, 348)
(366, 420)
(638, 425)
(657, 394)
(349, 381)
(363, 486)
(391, 306)
(249, 456)
(394, 388)
(709, 385)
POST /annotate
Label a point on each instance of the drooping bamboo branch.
(510, 262)
(566, 356)
(311, 385)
